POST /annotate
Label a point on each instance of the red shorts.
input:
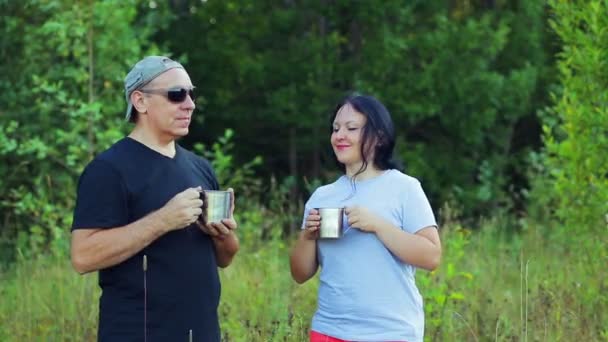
(318, 337)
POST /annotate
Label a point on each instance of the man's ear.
(139, 101)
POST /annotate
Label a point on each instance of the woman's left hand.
(362, 219)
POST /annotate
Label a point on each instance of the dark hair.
(379, 129)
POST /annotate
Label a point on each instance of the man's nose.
(189, 102)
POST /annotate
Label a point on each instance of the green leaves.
(458, 82)
(62, 103)
(576, 133)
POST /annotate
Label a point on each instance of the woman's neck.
(370, 171)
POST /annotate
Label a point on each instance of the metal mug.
(216, 205)
(332, 223)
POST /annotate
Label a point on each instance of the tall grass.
(529, 286)
(491, 286)
(45, 300)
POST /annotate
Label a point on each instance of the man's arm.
(225, 241)
(226, 247)
(97, 248)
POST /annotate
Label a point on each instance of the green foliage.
(491, 286)
(240, 177)
(459, 81)
(257, 305)
(272, 73)
(61, 103)
(571, 185)
(445, 288)
(43, 299)
(456, 94)
(575, 162)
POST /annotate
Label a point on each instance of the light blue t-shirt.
(365, 292)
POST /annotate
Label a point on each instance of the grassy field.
(537, 285)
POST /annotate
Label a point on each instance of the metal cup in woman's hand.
(332, 223)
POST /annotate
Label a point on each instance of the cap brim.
(129, 111)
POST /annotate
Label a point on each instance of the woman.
(367, 290)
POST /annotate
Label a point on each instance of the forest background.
(501, 110)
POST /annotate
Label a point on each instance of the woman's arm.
(422, 249)
(303, 259)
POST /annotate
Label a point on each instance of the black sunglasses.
(175, 95)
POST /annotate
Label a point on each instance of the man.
(137, 222)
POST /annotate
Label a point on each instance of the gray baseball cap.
(143, 73)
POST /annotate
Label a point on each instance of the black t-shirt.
(178, 294)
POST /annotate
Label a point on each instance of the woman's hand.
(362, 219)
(311, 225)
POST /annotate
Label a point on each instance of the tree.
(575, 129)
(62, 101)
(459, 81)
